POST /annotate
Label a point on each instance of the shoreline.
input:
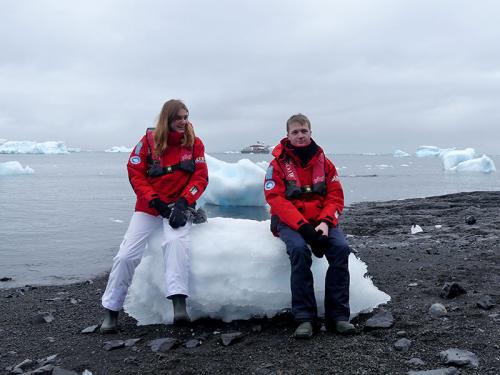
(412, 269)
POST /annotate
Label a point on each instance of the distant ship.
(258, 148)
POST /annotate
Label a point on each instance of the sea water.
(64, 223)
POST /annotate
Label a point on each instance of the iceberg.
(453, 158)
(234, 184)
(238, 270)
(426, 151)
(10, 168)
(119, 149)
(400, 154)
(29, 147)
(465, 161)
(483, 164)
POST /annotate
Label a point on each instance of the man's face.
(179, 122)
(299, 135)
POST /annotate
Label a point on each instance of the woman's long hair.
(166, 117)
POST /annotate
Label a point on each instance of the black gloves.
(178, 217)
(316, 239)
(160, 206)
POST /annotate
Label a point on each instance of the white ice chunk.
(400, 154)
(10, 168)
(483, 164)
(234, 184)
(416, 229)
(119, 149)
(238, 270)
(29, 147)
(453, 158)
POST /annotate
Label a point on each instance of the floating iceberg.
(483, 164)
(238, 270)
(10, 168)
(119, 149)
(465, 161)
(426, 151)
(29, 147)
(234, 184)
(400, 154)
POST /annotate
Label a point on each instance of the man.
(303, 189)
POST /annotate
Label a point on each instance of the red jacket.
(168, 187)
(310, 207)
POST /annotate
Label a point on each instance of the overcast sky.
(373, 76)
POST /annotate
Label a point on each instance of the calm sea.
(64, 222)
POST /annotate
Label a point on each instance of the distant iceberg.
(400, 154)
(119, 149)
(483, 164)
(29, 147)
(11, 168)
(465, 161)
(2, 141)
(426, 151)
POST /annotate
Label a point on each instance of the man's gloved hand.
(178, 217)
(315, 239)
(160, 206)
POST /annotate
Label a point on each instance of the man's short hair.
(300, 118)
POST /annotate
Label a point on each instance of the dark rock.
(24, 364)
(50, 360)
(163, 345)
(417, 362)
(401, 333)
(485, 302)
(90, 329)
(3, 279)
(459, 357)
(439, 371)
(403, 345)
(113, 344)
(131, 342)
(437, 310)
(452, 290)
(471, 220)
(44, 370)
(230, 338)
(43, 317)
(256, 328)
(383, 319)
(62, 371)
(193, 343)
(132, 361)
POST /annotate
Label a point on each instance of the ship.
(258, 148)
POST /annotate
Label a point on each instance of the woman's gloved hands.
(178, 216)
(316, 239)
(160, 206)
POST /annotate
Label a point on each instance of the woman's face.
(180, 121)
(299, 135)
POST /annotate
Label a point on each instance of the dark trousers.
(301, 279)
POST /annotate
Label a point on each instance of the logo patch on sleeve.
(269, 185)
(200, 159)
(135, 160)
(335, 178)
(193, 190)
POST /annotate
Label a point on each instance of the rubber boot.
(181, 316)
(304, 331)
(110, 323)
(344, 327)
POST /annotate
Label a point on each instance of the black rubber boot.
(344, 327)
(181, 316)
(110, 323)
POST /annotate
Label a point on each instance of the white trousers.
(176, 255)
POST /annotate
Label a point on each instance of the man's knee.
(338, 252)
(299, 253)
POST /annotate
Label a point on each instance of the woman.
(168, 173)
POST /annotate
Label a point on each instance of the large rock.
(402, 345)
(452, 290)
(438, 371)
(383, 319)
(163, 345)
(459, 357)
(437, 310)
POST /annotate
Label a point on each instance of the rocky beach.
(443, 317)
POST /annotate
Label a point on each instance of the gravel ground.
(413, 269)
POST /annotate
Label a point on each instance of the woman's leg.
(128, 257)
